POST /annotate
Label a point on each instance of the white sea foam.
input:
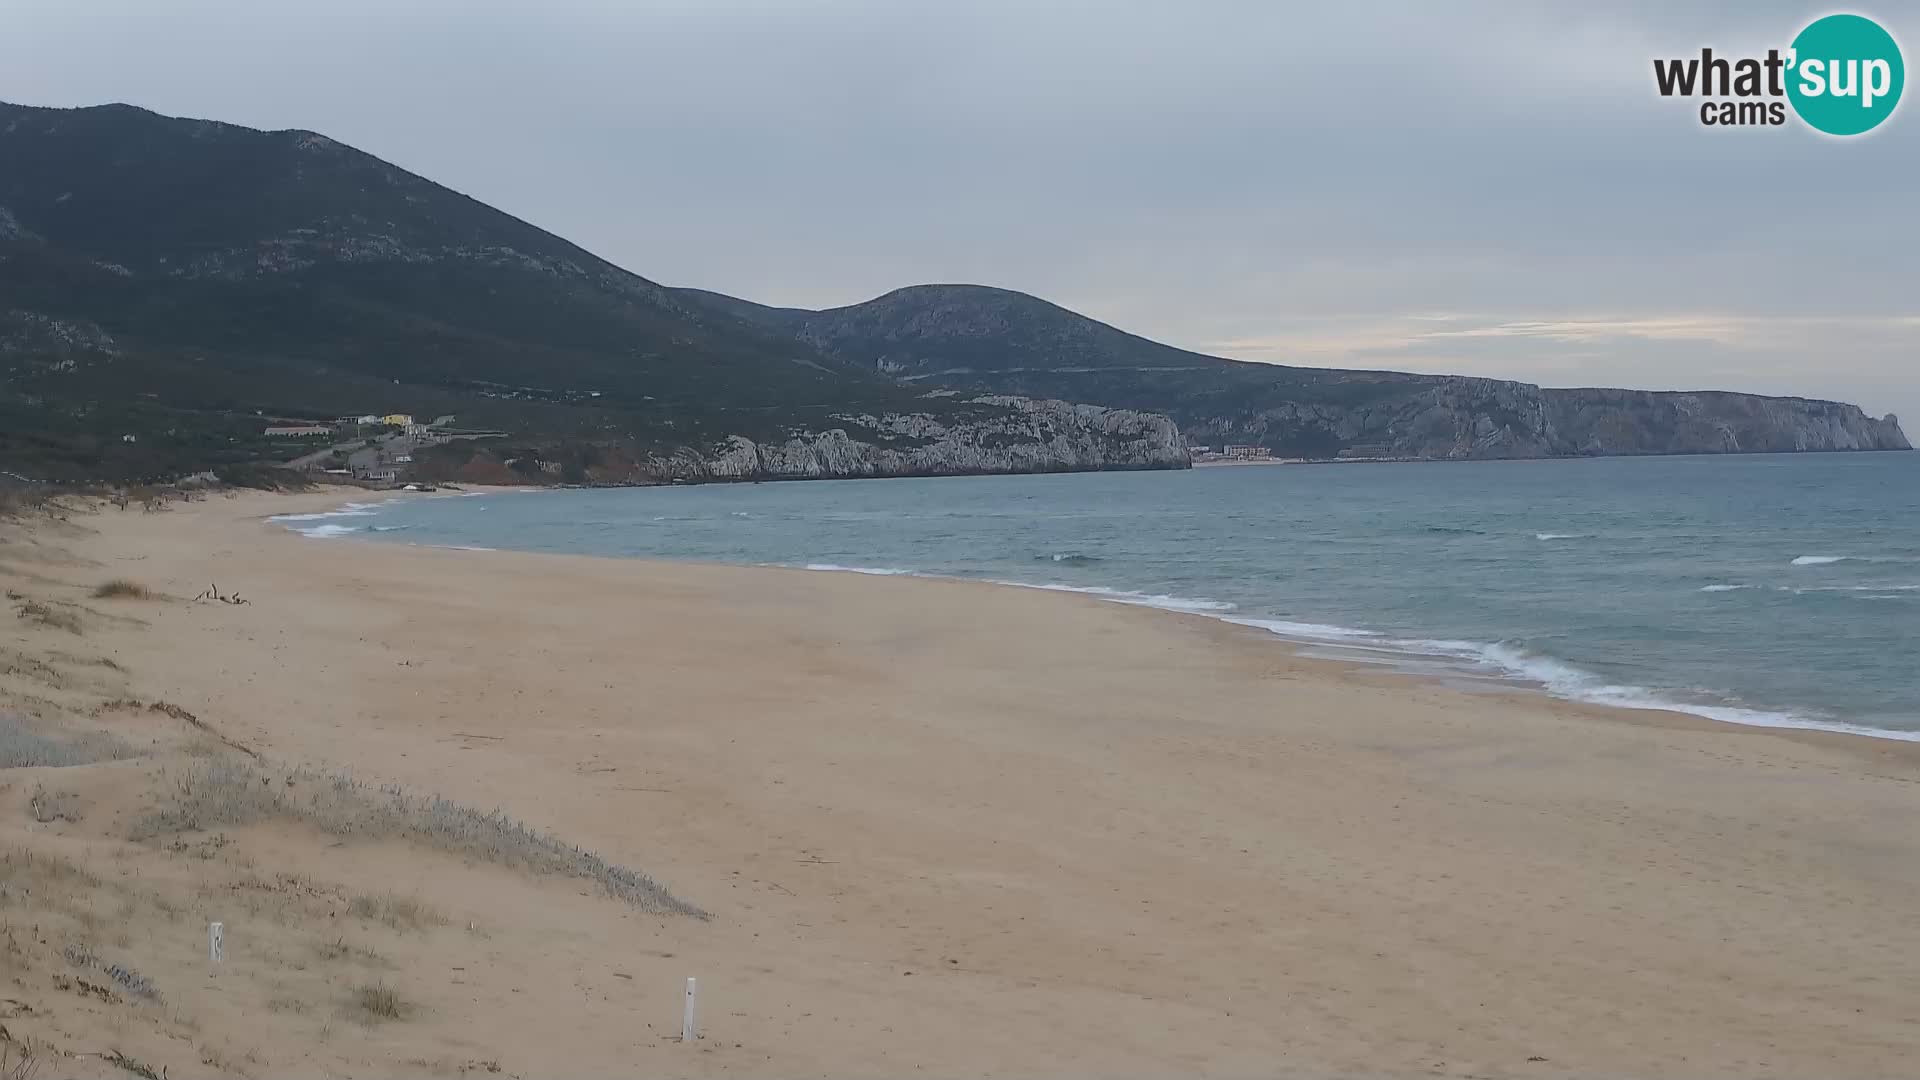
(327, 518)
(1564, 680)
(1512, 663)
(1310, 631)
(1504, 661)
(322, 517)
(348, 510)
(1188, 605)
(1473, 659)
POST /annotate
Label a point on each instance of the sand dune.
(939, 827)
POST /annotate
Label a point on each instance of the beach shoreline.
(987, 830)
(1298, 646)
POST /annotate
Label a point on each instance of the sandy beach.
(939, 828)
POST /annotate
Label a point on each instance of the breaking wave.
(1070, 558)
(349, 510)
(1508, 661)
(1164, 602)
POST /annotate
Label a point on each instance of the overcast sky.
(1490, 188)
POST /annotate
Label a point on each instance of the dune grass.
(340, 949)
(123, 589)
(20, 1060)
(226, 793)
(21, 747)
(396, 911)
(22, 501)
(47, 615)
(26, 870)
(49, 806)
(377, 1002)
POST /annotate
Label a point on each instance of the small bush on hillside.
(375, 1002)
(396, 911)
(262, 477)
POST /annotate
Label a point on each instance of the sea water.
(1779, 590)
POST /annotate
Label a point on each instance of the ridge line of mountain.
(977, 337)
(173, 287)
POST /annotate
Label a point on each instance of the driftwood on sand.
(213, 593)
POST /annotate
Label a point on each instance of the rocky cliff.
(1454, 417)
(1030, 436)
(987, 339)
(989, 434)
(1640, 422)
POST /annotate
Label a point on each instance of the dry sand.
(941, 828)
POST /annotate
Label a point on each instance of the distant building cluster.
(403, 421)
(374, 448)
(1230, 452)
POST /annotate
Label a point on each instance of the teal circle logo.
(1845, 74)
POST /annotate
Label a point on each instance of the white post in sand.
(687, 1033)
(216, 946)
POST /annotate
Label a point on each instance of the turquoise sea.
(1779, 590)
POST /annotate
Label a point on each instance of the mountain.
(166, 284)
(169, 288)
(983, 339)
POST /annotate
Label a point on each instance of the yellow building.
(397, 419)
